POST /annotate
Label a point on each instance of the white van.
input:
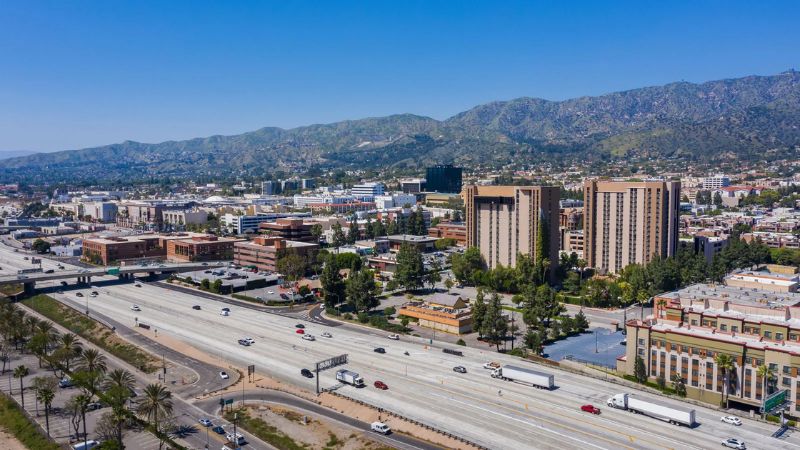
(86, 446)
(380, 427)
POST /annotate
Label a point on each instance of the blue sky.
(75, 74)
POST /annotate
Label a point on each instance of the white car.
(738, 444)
(270, 293)
(327, 335)
(733, 420)
(395, 337)
(250, 340)
(224, 313)
(223, 375)
(309, 337)
(491, 365)
(135, 308)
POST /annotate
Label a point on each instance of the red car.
(381, 385)
(590, 409)
(300, 331)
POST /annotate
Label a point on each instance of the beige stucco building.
(503, 221)
(629, 222)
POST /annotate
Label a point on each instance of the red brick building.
(201, 248)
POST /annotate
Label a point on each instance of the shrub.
(363, 317)
(390, 311)
(347, 316)
(461, 342)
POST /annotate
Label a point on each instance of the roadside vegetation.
(16, 423)
(93, 331)
(263, 430)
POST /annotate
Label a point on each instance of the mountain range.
(746, 118)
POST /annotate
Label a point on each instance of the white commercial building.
(716, 182)
(372, 189)
(394, 201)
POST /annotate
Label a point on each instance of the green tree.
(44, 387)
(21, 372)
(494, 325)
(479, 313)
(369, 231)
(118, 385)
(333, 287)
(156, 406)
(338, 238)
(205, 284)
(216, 286)
(466, 265)
(725, 364)
(533, 341)
(40, 246)
(353, 232)
(717, 199)
(679, 385)
(410, 269)
(292, 266)
(639, 370)
(360, 290)
(581, 323)
(316, 231)
(434, 275)
(764, 374)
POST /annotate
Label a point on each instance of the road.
(422, 385)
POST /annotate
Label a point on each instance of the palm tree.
(21, 372)
(120, 378)
(725, 364)
(581, 265)
(92, 360)
(71, 343)
(155, 405)
(82, 401)
(765, 373)
(45, 394)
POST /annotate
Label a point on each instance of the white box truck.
(348, 377)
(526, 376)
(671, 414)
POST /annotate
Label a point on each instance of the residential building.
(263, 252)
(504, 221)
(450, 230)
(572, 242)
(368, 189)
(443, 178)
(629, 222)
(288, 229)
(201, 248)
(693, 326)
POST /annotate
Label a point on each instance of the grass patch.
(265, 431)
(93, 331)
(333, 442)
(10, 289)
(15, 422)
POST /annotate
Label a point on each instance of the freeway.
(423, 385)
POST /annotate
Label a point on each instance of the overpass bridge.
(84, 275)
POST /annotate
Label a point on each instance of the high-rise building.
(629, 222)
(270, 187)
(503, 221)
(443, 178)
(716, 182)
(367, 189)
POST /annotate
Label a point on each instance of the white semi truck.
(348, 377)
(527, 376)
(671, 414)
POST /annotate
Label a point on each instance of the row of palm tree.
(87, 368)
(727, 364)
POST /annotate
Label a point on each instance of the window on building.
(787, 370)
(694, 383)
(641, 341)
(723, 327)
(748, 360)
(640, 352)
(792, 336)
(735, 328)
(768, 334)
(773, 366)
(778, 336)
(694, 322)
(786, 381)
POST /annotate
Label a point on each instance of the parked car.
(738, 444)
(94, 406)
(306, 373)
(460, 369)
(590, 409)
(223, 375)
(379, 350)
(219, 429)
(733, 420)
(205, 422)
(196, 307)
(395, 337)
(381, 385)
(284, 296)
(65, 382)
(309, 337)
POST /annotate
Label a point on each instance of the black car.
(460, 369)
(300, 325)
(244, 342)
(218, 429)
(196, 307)
(79, 294)
(306, 373)
(380, 350)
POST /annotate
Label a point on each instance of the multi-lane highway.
(422, 384)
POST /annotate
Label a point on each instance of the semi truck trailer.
(671, 414)
(526, 376)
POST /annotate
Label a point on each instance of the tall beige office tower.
(629, 222)
(503, 221)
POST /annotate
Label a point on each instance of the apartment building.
(755, 327)
(504, 221)
(629, 222)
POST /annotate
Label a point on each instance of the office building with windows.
(443, 178)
